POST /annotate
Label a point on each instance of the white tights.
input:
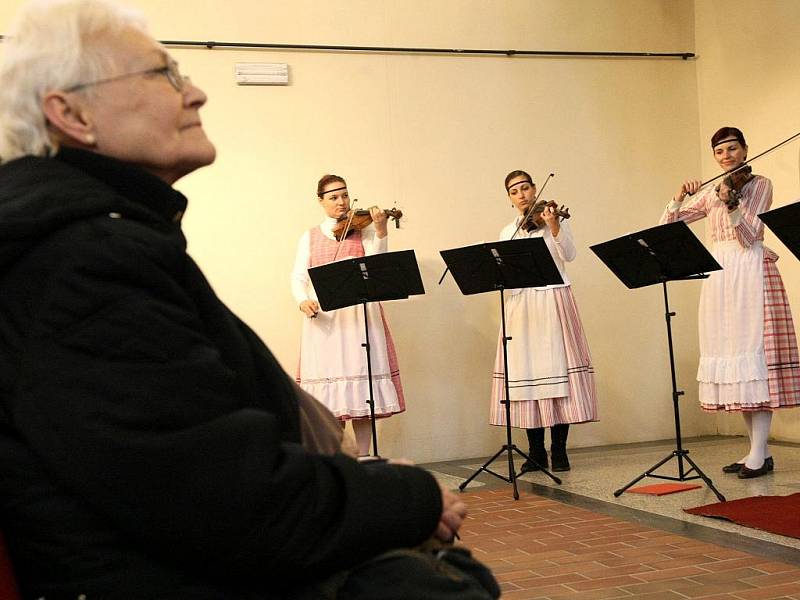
(758, 424)
(363, 430)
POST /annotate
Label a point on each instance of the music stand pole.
(371, 400)
(512, 472)
(676, 394)
(679, 452)
(509, 447)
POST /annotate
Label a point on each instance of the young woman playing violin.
(549, 367)
(333, 367)
(748, 349)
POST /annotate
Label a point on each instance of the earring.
(90, 139)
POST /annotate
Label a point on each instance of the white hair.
(52, 45)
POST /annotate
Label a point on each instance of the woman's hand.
(690, 186)
(380, 220)
(453, 508)
(727, 195)
(453, 513)
(309, 308)
(550, 219)
(724, 192)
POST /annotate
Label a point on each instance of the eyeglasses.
(170, 71)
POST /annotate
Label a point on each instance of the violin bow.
(747, 162)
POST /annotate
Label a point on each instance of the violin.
(735, 181)
(533, 217)
(356, 220)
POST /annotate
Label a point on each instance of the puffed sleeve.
(745, 220)
(372, 243)
(565, 243)
(691, 210)
(299, 278)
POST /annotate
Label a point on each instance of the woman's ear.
(68, 119)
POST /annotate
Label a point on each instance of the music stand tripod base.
(511, 478)
(681, 455)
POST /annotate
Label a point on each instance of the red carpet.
(661, 489)
(8, 584)
(776, 514)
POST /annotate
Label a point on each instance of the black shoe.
(733, 467)
(746, 473)
(737, 466)
(535, 463)
(560, 461)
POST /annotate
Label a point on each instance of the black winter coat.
(149, 441)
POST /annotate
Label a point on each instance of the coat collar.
(131, 182)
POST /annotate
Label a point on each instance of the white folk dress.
(550, 372)
(333, 363)
(748, 349)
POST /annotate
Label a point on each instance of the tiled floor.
(577, 541)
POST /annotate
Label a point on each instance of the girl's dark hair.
(514, 175)
(325, 180)
(728, 132)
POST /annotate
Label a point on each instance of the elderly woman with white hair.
(150, 444)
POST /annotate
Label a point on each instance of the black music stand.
(493, 267)
(785, 224)
(660, 254)
(387, 276)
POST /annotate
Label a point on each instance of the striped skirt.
(749, 357)
(551, 377)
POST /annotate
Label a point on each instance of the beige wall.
(436, 135)
(749, 76)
